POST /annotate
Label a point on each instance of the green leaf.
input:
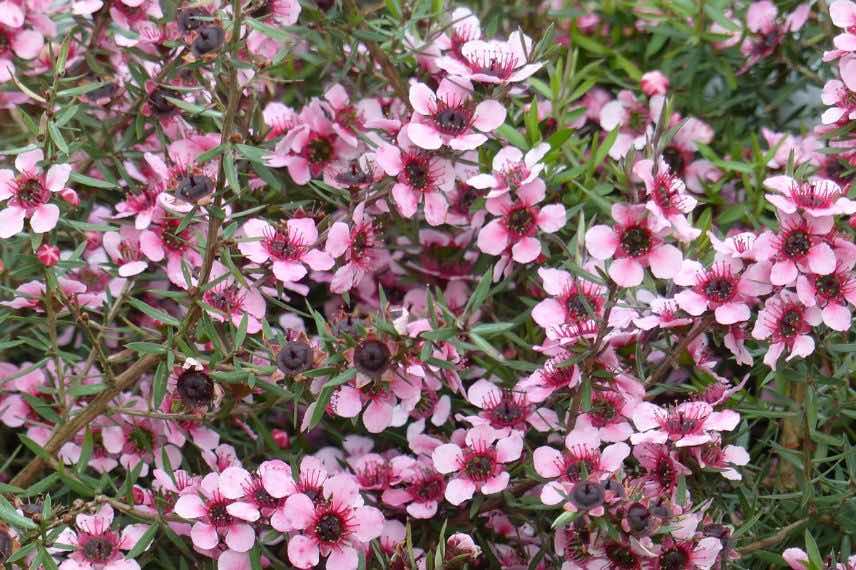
(513, 136)
(92, 182)
(156, 314)
(57, 137)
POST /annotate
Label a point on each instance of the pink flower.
(572, 300)
(288, 247)
(723, 459)
(310, 148)
(664, 314)
(688, 424)
(492, 61)
(798, 247)
(633, 118)
(423, 488)
(479, 464)
(843, 14)
(420, 176)
(550, 378)
(511, 170)
(787, 323)
(124, 250)
(96, 547)
(831, 293)
(218, 512)
(362, 246)
(654, 83)
(507, 410)
(766, 32)
(336, 527)
(29, 194)
(635, 244)
(164, 239)
(661, 466)
(519, 221)
(691, 555)
(230, 300)
(724, 288)
(18, 41)
(450, 116)
(567, 467)
(817, 197)
(667, 199)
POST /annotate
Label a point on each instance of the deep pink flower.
(725, 288)
(48, 254)
(423, 487)
(288, 246)
(29, 194)
(478, 465)
(451, 117)
(667, 199)
(654, 83)
(662, 468)
(96, 547)
(798, 247)
(218, 512)
(519, 221)
(831, 294)
(421, 175)
(635, 244)
(688, 554)
(787, 323)
(336, 527)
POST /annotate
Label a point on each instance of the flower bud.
(48, 254)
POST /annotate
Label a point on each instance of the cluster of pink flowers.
(361, 300)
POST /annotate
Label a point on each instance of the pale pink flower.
(572, 299)
(421, 176)
(451, 117)
(843, 14)
(565, 468)
(550, 378)
(634, 118)
(722, 459)
(519, 221)
(423, 487)
(29, 194)
(832, 294)
(478, 465)
(164, 239)
(635, 244)
(233, 301)
(817, 197)
(18, 41)
(288, 246)
(123, 247)
(507, 410)
(96, 547)
(511, 170)
(688, 424)
(492, 61)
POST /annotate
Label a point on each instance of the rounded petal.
(44, 218)
(626, 272)
(303, 552)
(204, 536)
(57, 177)
(489, 115)
(665, 261)
(447, 458)
(460, 490)
(601, 242)
(240, 537)
(493, 238)
(11, 221)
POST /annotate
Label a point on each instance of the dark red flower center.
(218, 514)
(620, 556)
(428, 487)
(453, 119)
(98, 549)
(520, 222)
(636, 241)
(791, 322)
(283, 245)
(796, 244)
(30, 193)
(319, 151)
(329, 527)
(674, 559)
(497, 64)
(828, 286)
(480, 465)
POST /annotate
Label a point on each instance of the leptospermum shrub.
(415, 284)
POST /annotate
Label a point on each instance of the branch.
(666, 366)
(65, 432)
(773, 539)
